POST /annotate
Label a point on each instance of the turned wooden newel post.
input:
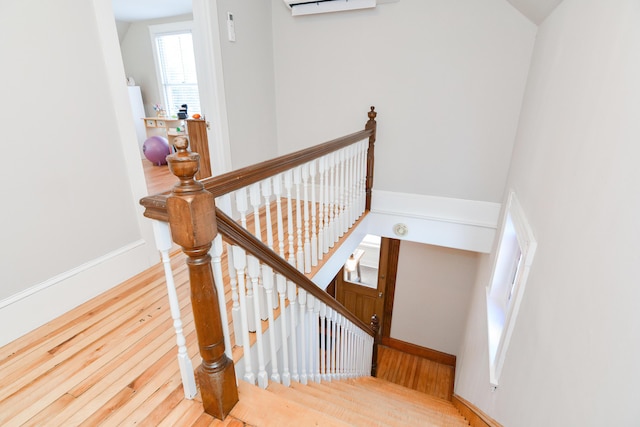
(371, 124)
(193, 226)
(375, 326)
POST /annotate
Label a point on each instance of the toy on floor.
(156, 149)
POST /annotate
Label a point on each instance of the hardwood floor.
(111, 361)
(159, 178)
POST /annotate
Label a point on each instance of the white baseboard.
(455, 223)
(39, 304)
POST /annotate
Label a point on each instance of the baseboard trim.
(473, 414)
(416, 350)
(44, 302)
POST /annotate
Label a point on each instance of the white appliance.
(137, 107)
(306, 7)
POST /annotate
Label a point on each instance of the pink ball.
(156, 149)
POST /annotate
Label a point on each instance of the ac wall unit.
(306, 7)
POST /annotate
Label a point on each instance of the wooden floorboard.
(112, 360)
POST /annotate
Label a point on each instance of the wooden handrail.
(233, 180)
(247, 241)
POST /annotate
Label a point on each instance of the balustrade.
(286, 215)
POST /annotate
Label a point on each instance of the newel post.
(371, 124)
(375, 326)
(193, 226)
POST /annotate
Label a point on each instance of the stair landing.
(363, 401)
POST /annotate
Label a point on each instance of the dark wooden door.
(364, 301)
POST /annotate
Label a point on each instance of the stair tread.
(354, 391)
(391, 405)
(404, 392)
(382, 414)
(299, 394)
(262, 408)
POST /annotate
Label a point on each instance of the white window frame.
(514, 255)
(162, 29)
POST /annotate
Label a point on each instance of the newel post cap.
(191, 208)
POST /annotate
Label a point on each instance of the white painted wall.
(247, 66)
(447, 78)
(71, 226)
(433, 292)
(573, 357)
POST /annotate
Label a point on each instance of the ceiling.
(140, 10)
(535, 10)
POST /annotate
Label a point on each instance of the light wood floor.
(111, 361)
(159, 178)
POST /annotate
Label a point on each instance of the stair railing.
(311, 198)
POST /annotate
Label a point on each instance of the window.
(176, 66)
(514, 256)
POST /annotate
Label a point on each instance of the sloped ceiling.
(138, 10)
(535, 10)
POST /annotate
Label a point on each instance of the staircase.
(276, 222)
(364, 401)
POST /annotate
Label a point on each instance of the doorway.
(366, 284)
(135, 17)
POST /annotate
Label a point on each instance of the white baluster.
(267, 279)
(341, 199)
(240, 263)
(253, 268)
(340, 352)
(352, 185)
(277, 191)
(235, 307)
(311, 349)
(332, 200)
(314, 211)
(299, 251)
(316, 339)
(321, 206)
(292, 295)
(344, 347)
(282, 290)
(266, 193)
(363, 176)
(241, 205)
(254, 198)
(302, 328)
(353, 349)
(163, 243)
(334, 344)
(323, 342)
(288, 181)
(307, 237)
(216, 262)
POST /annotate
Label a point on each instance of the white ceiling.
(139, 10)
(535, 10)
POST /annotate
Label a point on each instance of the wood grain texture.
(473, 414)
(415, 372)
(427, 353)
(199, 142)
